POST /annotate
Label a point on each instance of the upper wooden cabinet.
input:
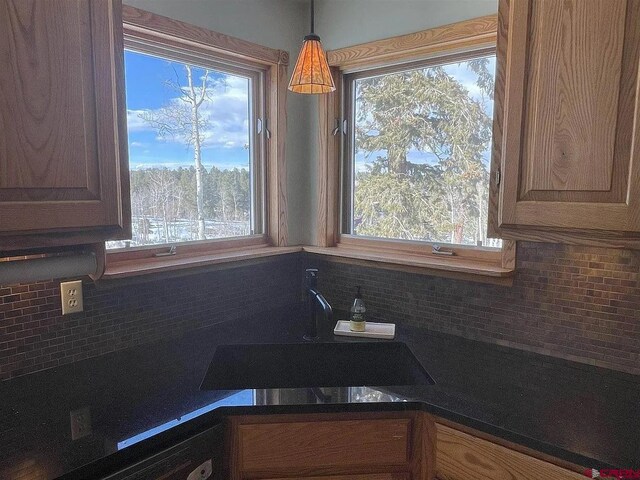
(567, 121)
(63, 156)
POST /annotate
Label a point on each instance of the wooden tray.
(371, 330)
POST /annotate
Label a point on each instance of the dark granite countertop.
(149, 396)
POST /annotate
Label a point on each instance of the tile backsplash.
(578, 303)
(34, 335)
(574, 302)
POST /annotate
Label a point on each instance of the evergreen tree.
(429, 111)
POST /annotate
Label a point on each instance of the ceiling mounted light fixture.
(311, 73)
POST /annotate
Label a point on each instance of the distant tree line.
(170, 198)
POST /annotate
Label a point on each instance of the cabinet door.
(331, 446)
(63, 154)
(460, 456)
(567, 122)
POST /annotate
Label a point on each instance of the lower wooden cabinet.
(377, 446)
(463, 456)
(366, 446)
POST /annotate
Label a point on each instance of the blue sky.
(146, 78)
(227, 112)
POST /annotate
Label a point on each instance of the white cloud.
(227, 112)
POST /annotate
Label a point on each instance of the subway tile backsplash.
(34, 335)
(578, 303)
(573, 302)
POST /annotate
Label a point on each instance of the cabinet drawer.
(342, 443)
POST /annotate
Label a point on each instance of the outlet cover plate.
(80, 423)
(71, 297)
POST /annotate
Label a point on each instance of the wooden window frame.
(469, 262)
(150, 33)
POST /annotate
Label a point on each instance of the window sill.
(450, 267)
(176, 263)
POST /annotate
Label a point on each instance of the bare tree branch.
(203, 93)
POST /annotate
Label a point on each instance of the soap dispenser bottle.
(356, 318)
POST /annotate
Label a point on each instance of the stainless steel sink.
(304, 365)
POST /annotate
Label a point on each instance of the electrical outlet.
(71, 296)
(80, 423)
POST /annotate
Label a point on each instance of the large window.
(417, 155)
(405, 155)
(206, 128)
(195, 160)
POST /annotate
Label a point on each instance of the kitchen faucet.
(315, 299)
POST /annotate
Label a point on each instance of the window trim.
(142, 28)
(469, 262)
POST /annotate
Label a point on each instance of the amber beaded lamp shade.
(311, 73)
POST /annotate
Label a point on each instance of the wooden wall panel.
(330, 136)
(276, 166)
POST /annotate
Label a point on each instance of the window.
(418, 153)
(195, 160)
(404, 157)
(206, 122)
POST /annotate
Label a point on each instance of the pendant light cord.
(312, 15)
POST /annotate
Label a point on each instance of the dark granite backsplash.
(34, 335)
(577, 303)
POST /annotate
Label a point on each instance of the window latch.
(438, 250)
(498, 175)
(260, 127)
(336, 130)
(172, 251)
(344, 127)
(266, 130)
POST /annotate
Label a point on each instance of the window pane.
(421, 153)
(189, 152)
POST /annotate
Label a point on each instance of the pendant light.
(311, 73)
